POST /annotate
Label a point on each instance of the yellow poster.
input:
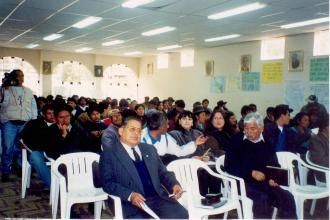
(272, 72)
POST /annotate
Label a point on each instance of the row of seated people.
(180, 142)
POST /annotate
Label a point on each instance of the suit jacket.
(119, 176)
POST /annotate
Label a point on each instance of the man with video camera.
(17, 107)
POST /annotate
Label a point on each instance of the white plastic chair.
(186, 173)
(301, 192)
(26, 169)
(77, 186)
(317, 182)
(246, 202)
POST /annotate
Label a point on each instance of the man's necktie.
(136, 155)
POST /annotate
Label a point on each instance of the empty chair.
(76, 182)
(301, 192)
(186, 173)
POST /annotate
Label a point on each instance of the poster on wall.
(294, 94)
(272, 72)
(209, 67)
(245, 63)
(218, 84)
(98, 71)
(46, 67)
(319, 69)
(322, 93)
(234, 83)
(251, 81)
(296, 61)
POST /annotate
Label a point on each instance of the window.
(187, 58)
(119, 82)
(321, 43)
(272, 49)
(162, 61)
(31, 77)
(73, 78)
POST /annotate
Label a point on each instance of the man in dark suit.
(247, 157)
(278, 134)
(134, 172)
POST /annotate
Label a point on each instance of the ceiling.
(23, 22)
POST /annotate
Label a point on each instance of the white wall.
(188, 83)
(191, 83)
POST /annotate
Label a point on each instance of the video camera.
(10, 79)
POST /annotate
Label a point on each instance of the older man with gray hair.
(247, 157)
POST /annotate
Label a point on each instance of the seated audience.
(173, 114)
(65, 136)
(199, 118)
(72, 102)
(110, 134)
(167, 147)
(253, 107)
(244, 111)
(165, 106)
(221, 106)
(81, 107)
(139, 109)
(247, 158)
(95, 127)
(34, 136)
(319, 145)
(231, 126)
(184, 133)
(205, 104)
(134, 172)
(218, 139)
(279, 135)
(270, 115)
(301, 134)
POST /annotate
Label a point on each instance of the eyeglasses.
(134, 130)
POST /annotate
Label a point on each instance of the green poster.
(319, 69)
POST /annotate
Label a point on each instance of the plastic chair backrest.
(78, 167)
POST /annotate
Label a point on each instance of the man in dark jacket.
(279, 135)
(247, 158)
(65, 136)
(34, 136)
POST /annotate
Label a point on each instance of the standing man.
(247, 158)
(134, 172)
(17, 107)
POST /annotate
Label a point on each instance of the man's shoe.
(5, 178)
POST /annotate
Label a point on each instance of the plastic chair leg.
(97, 209)
(311, 211)
(55, 191)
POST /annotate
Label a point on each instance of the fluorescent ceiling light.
(236, 11)
(111, 43)
(86, 22)
(158, 31)
(52, 37)
(133, 53)
(305, 23)
(32, 46)
(222, 38)
(135, 3)
(84, 49)
(169, 47)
